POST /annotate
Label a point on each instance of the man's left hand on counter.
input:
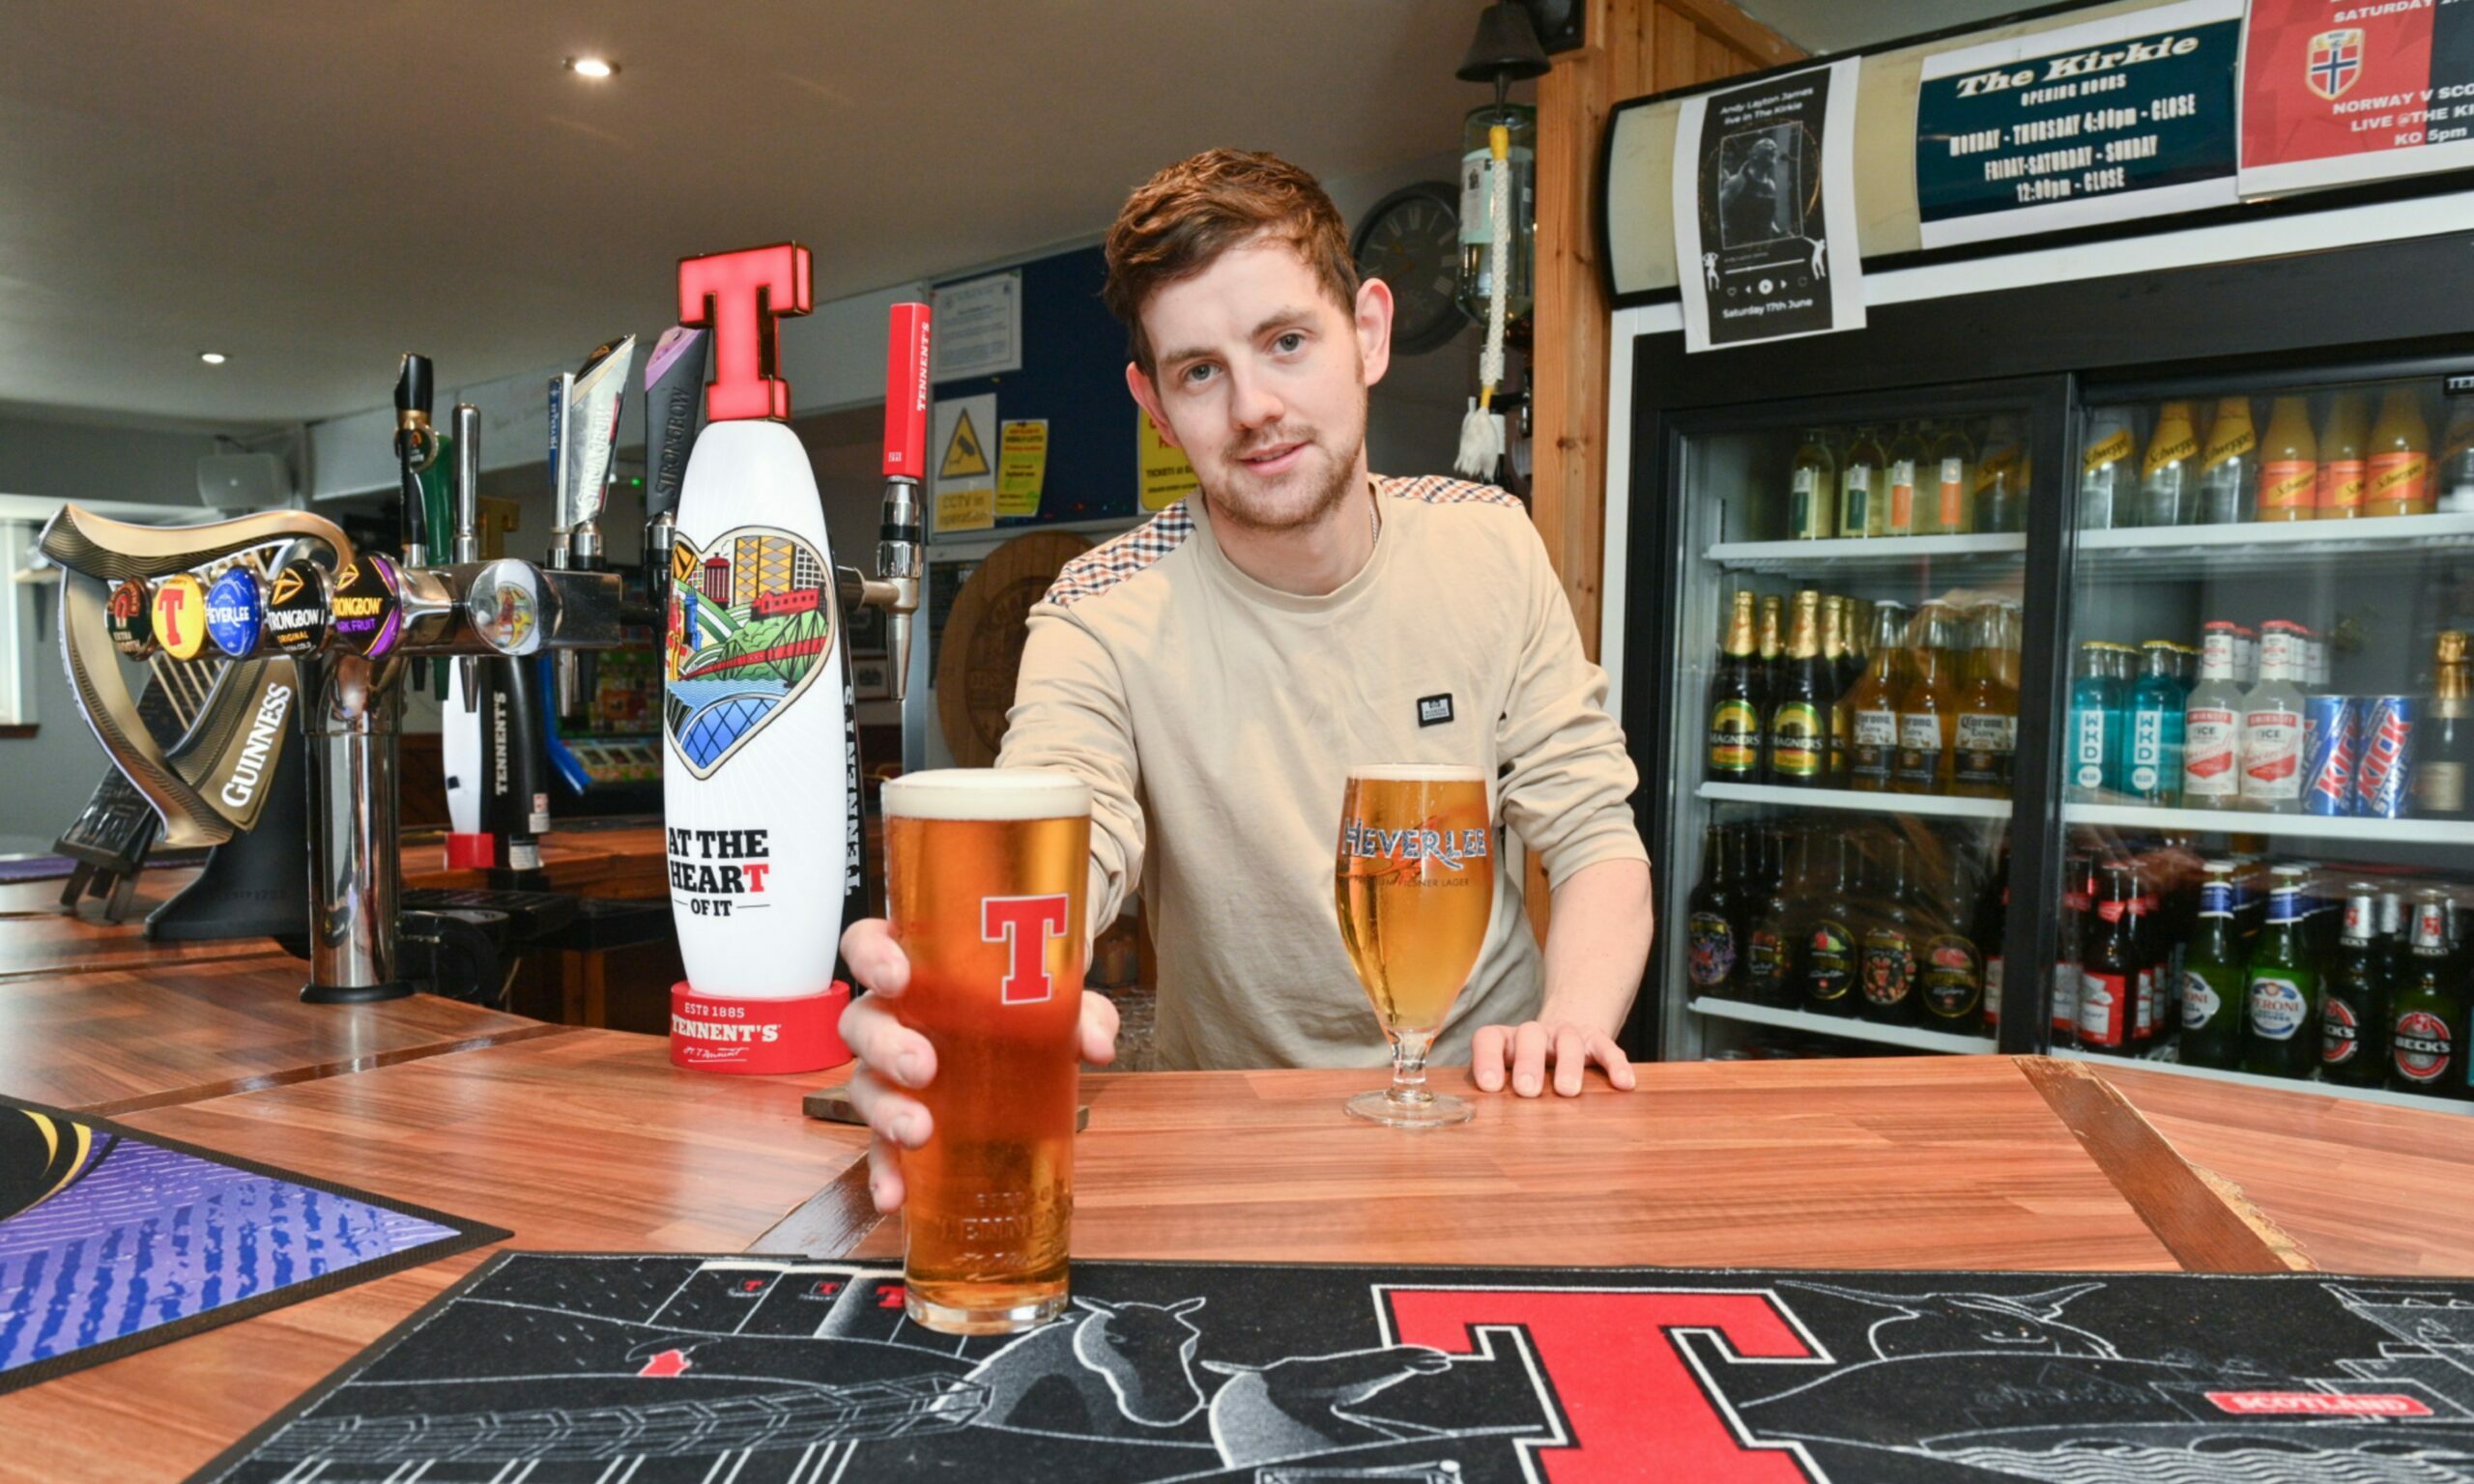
(1598, 941)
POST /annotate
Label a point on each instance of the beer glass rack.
(1840, 552)
(1914, 1038)
(1936, 805)
(2208, 822)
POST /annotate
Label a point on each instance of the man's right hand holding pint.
(893, 1057)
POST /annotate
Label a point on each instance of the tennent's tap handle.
(467, 521)
(901, 537)
(416, 446)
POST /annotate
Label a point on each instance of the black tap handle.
(413, 387)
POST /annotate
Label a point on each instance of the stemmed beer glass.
(1414, 886)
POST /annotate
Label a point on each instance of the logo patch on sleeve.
(1434, 710)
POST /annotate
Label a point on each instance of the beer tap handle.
(468, 525)
(901, 536)
(673, 414)
(416, 446)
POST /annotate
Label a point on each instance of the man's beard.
(1251, 513)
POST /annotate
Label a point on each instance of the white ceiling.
(314, 187)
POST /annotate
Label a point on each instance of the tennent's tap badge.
(756, 753)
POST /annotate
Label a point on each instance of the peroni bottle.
(2283, 994)
(2215, 974)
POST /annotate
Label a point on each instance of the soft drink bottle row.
(2142, 731)
(2206, 465)
(1900, 924)
(1926, 702)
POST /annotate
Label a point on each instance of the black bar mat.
(112, 1239)
(564, 1369)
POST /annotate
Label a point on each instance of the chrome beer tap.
(350, 621)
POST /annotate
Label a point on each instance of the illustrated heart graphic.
(750, 621)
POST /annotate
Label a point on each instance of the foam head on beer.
(987, 793)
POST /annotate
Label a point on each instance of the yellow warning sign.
(964, 458)
(1165, 478)
(970, 509)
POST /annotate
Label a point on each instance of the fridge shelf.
(1777, 556)
(1847, 1028)
(2377, 1094)
(2255, 546)
(2208, 821)
(1851, 802)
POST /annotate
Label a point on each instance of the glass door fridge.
(2266, 850)
(1849, 620)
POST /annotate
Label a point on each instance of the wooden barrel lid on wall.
(981, 652)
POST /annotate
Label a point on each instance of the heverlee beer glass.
(1415, 885)
(985, 873)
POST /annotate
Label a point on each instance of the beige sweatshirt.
(1216, 720)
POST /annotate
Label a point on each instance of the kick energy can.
(2330, 744)
(2382, 775)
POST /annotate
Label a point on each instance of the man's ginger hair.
(1182, 219)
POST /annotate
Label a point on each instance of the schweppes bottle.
(2229, 463)
(1800, 703)
(1735, 703)
(2289, 463)
(2400, 476)
(2103, 496)
(2168, 493)
(2338, 496)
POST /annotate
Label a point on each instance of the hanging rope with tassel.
(1482, 440)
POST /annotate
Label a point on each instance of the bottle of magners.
(1826, 955)
(2215, 975)
(1843, 671)
(1733, 707)
(2353, 1016)
(1774, 650)
(1887, 971)
(1800, 703)
(2428, 1012)
(2283, 994)
(1872, 748)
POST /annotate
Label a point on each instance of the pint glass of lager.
(1415, 885)
(985, 874)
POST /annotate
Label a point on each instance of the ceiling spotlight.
(592, 66)
(213, 358)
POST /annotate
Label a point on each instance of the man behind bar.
(1214, 674)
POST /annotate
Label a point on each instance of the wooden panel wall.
(1634, 46)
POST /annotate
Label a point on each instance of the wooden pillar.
(1634, 46)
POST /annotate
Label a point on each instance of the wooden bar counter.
(587, 1139)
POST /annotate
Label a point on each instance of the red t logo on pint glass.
(1024, 925)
